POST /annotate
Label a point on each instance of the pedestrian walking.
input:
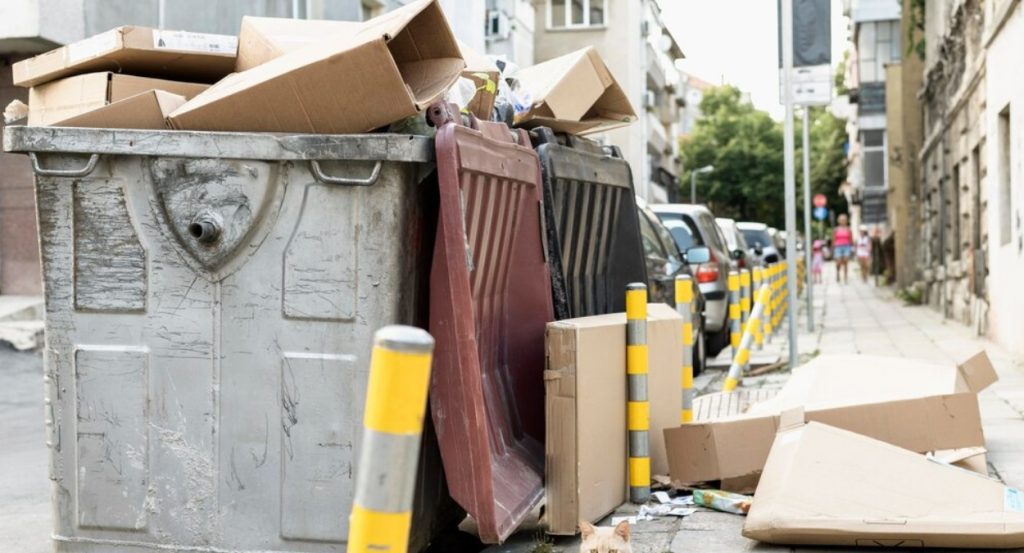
(817, 260)
(842, 242)
(864, 254)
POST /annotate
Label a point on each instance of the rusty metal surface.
(207, 394)
(490, 302)
(593, 235)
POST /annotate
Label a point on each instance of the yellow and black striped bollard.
(685, 307)
(742, 358)
(396, 402)
(745, 294)
(756, 278)
(734, 311)
(638, 417)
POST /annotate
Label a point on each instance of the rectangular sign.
(811, 85)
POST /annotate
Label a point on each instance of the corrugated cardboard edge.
(561, 485)
(147, 110)
(977, 372)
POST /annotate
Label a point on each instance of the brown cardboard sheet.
(63, 99)
(146, 110)
(585, 404)
(823, 485)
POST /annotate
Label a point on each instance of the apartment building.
(877, 41)
(640, 52)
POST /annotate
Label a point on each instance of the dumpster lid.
(226, 145)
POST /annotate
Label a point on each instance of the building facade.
(953, 162)
(875, 26)
(1003, 41)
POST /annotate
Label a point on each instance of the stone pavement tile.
(711, 532)
(994, 408)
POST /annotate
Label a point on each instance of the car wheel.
(700, 352)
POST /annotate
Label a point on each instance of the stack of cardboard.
(128, 77)
(290, 75)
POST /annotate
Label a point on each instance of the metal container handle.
(327, 179)
(73, 173)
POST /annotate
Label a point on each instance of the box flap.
(827, 486)
(147, 110)
(59, 100)
(262, 39)
(977, 372)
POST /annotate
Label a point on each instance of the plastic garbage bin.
(489, 304)
(593, 233)
(211, 300)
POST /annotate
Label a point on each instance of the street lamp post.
(693, 180)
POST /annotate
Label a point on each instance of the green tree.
(745, 147)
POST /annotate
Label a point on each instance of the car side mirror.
(738, 254)
(698, 254)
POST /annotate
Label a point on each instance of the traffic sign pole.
(789, 172)
(807, 222)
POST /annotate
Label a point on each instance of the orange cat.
(605, 540)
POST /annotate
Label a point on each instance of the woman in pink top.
(842, 242)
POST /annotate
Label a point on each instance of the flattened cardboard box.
(183, 55)
(146, 110)
(574, 93)
(384, 70)
(827, 486)
(56, 101)
(585, 404)
(917, 405)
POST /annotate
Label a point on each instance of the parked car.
(664, 262)
(694, 225)
(760, 242)
(740, 253)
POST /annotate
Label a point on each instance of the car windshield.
(757, 238)
(681, 233)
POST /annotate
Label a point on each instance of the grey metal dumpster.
(210, 305)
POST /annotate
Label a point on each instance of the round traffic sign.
(820, 200)
(820, 213)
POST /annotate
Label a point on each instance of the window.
(954, 214)
(874, 158)
(878, 43)
(1005, 197)
(576, 13)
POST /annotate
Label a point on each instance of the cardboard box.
(60, 100)
(827, 486)
(914, 404)
(574, 93)
(385, 70)
(262, 39)
(585, 382)
(147, 110)
(181, 55)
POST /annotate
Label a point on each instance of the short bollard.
(684, 306)
(743, 356)
(756, 277)
(396, 402)
(734, 311)
(638, 417)
(769, 311)
(745, 294)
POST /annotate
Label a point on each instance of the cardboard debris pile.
(302, 76)
(857, 450)
(920, 406)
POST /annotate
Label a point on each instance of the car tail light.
(708, 272)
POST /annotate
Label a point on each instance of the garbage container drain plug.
(205, 229)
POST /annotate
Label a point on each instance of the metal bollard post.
(745, 294)
(734, 311)
(743, 356)
(396, 401)
(684, 306)
(768, 272)
(756, 278)
(638, 416)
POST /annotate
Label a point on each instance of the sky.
(735, 41)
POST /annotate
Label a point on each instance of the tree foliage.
(745, 147)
